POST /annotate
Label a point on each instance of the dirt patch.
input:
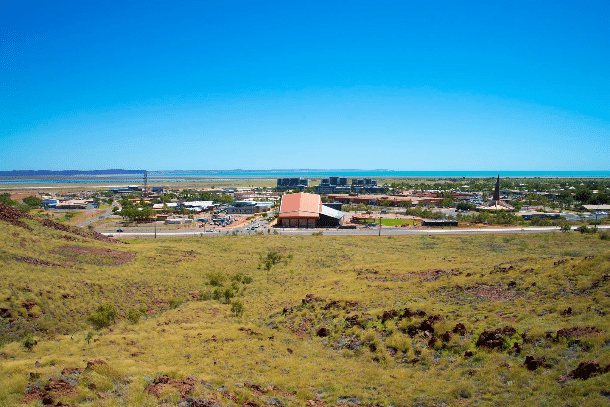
(53, 390)
(13, 216)
(577, 332)
(184, 387)
(114, 257)
(428, 275)
(37, 262)
(491, 293)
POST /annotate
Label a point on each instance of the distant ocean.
(235, 175)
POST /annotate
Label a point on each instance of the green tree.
(32, 201)
(5, 198)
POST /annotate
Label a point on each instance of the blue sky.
(162, 85)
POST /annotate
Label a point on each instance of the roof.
(330, 212)
(597, 207)
(301, 205)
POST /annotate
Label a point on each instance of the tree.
(5, 198)
(583, 195)
(32, 201)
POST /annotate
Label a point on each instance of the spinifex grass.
(483, 282)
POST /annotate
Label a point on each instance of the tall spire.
(497, 190)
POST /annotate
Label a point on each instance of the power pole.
(145, 182)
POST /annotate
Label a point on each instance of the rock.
(353, 321)
(96, 362)
(512, 284)
(459, 329)
(28, 305)
(387, 315)
(517, 348)
(567, 311)
(495, 338)
(532, 364)
(309, 298)
(323, 332)
(576, 332)
(586, 370)
(468, 354)
(446, 337)
(72, 370)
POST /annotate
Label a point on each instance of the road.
(104, 215)
(350, 232)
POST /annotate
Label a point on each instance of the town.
(311, 206)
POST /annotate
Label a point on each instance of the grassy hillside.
(325, 320)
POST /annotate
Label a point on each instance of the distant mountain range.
(69, 173)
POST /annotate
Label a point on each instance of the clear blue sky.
(401, 85)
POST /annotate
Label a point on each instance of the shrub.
(204, 295)
(134, 316)
(237, 308)
(605, 236)
(103, 316)
(216, 278)
(228, 294)
(217, 294)
(29, 342)
(173, 303)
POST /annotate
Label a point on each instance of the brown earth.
(55, 389)
(184, 387)
(37, 262)
(495, 338)
(117, 257)
(13, 216)
(577, 332)
(491, 293)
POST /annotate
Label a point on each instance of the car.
(119, 230)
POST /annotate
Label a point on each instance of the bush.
(173, 303)
(216, 278)
(217, 294)
(103, 316)
(237, 308)
(228, 294)
(605, 236)
(134, 316)
(29, 342)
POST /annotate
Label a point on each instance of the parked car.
(119, 230)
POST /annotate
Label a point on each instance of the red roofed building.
(305, 210)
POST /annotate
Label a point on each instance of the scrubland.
(303, 320)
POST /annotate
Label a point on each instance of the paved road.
(104, 215)
(353, 232)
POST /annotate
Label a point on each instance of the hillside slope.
(426, 320)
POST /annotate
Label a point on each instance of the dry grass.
(483, 282)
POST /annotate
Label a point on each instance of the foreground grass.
(483, 282)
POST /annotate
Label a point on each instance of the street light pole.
(155, 229)
(380, 225)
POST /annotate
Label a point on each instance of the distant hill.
(70, 173)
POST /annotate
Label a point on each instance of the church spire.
(497, 190)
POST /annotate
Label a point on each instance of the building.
(337, 185)
(248, 207)
(284, 184)
(72, 204)
(439, 222)
(197, 206)
(304, 210)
